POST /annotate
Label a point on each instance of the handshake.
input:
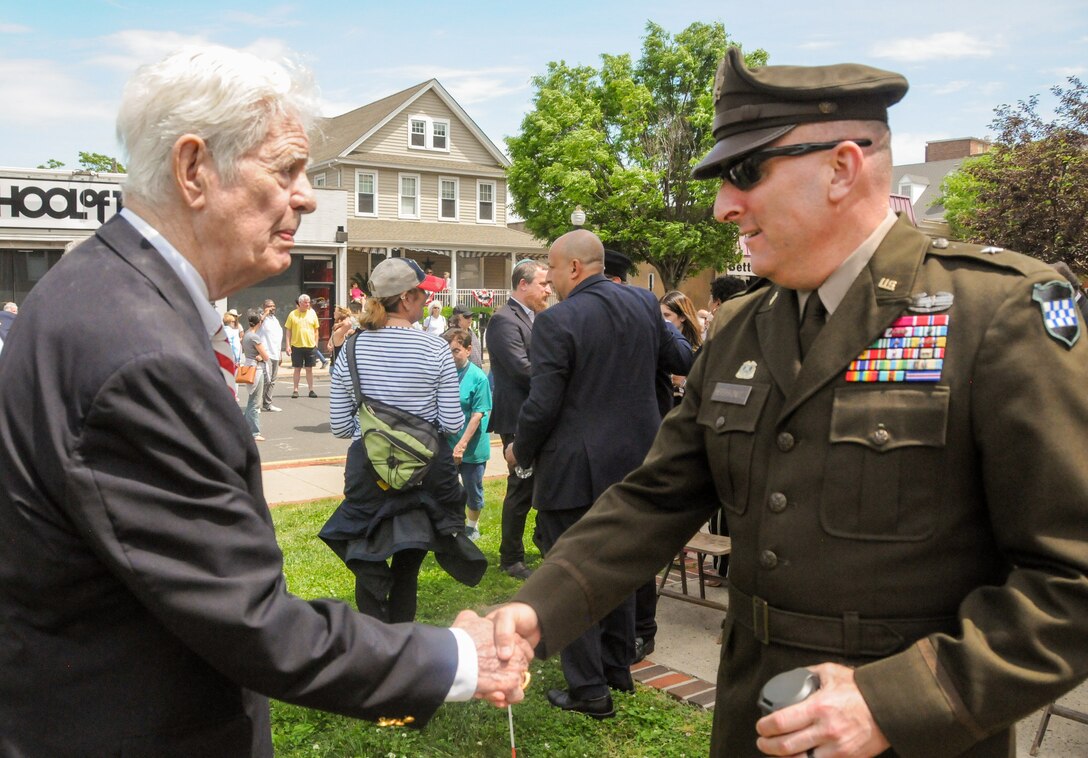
(504, 641)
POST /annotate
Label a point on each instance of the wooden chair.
(702, 544)
(1055, 710)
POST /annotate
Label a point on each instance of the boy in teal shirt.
(472, 447)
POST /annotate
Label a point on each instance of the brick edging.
(683, 687)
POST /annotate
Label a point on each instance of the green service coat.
(933, 534)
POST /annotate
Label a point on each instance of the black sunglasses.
(746, 173)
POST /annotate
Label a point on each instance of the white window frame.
(412, 121)
(428, 132)
(374, 174)
(400, 195)
(456, 198)
(494, 202)
(319, 179)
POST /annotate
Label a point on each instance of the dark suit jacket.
(142, 594)
(592, 410)
(509, 336)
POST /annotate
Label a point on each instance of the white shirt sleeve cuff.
(464, 679)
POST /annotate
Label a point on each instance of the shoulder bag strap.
(354, 369)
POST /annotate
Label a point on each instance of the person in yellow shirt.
(301, 328)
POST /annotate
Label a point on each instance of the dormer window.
(419, 133)
(426, 133)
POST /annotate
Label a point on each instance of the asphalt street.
(301, 430)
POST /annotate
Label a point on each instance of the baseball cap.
(396, 275)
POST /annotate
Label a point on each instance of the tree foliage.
(1030, 192)
(620, 141)
(97, 162)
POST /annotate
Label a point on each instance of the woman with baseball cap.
(382, 533)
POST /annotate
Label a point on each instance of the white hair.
(226, 97)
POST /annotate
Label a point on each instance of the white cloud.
(939, 46)
(817, 44)
(910, 147)
(14, 29)
(468, 86)
(949, 87)
(131, 48)
(40, 91)
(273, 18)
(1067, 71)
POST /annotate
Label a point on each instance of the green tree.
(96, 162)
(1030, 192)
(621, 141)
(101, 163)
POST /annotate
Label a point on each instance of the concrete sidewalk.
(685, 661)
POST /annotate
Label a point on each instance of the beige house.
(422, 181)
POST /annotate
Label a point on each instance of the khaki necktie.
(812, 320)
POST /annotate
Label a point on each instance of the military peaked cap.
(616, 264)
(753, 107)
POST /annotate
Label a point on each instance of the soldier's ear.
(846, 161)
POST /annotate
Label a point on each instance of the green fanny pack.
(400, 445)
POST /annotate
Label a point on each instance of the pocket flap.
(724, 416)
(887, 419)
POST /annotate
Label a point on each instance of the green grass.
(648, 722)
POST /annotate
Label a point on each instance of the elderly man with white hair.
(142, 592)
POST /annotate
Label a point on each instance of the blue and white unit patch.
(1059, 311)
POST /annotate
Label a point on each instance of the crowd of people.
(892, 426)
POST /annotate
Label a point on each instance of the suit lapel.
(121, 237)
(879, 294)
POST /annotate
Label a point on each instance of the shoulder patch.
(1055, 299)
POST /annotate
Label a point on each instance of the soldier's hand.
(834, 722)
(514, 621)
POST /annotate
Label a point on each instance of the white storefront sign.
(54, 204)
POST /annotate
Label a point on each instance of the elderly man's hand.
(834, 721)
(500, 680)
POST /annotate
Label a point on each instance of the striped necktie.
(225, 356)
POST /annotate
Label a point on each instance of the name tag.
(737, 394)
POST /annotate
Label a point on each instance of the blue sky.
(63, 62)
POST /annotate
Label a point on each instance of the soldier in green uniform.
(897, 429)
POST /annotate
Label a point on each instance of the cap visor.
(432, 283)
(729, 149)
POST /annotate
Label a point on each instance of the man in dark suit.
(590, 417)
(509, 336)
(141, 587)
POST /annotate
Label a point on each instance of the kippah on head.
(753, 107)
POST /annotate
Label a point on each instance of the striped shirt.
(406, 368)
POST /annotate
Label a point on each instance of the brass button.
(785, 442)
(720, 422)
(767, 559)
(777, 502)
(881, 436)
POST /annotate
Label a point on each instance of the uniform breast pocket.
(885, 463)
(730, 430)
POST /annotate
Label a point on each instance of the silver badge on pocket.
(747, 370)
